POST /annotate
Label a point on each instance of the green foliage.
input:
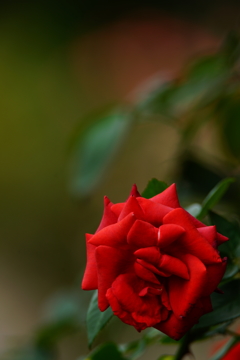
(154, 187)
(107, 351)
(214, 196)
(96, 319)
(226, 307)
(94, 149)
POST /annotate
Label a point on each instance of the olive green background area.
(60, 61)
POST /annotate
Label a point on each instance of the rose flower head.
(154, 263)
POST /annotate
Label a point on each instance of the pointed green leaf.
(214, 196)
(94, 150)
(96, 319)
(226, 306)
(154, 187)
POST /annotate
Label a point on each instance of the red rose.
(154, 263)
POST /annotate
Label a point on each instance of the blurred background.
(63, 66)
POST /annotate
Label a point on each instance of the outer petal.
(114, 235)
(214, 276)
(192, 241)
(108, 216)
(90, 279)
(110, 263)
(210, 234)
(134, 191)
(168, 197)
(176, 327)
(142, 234)
(131, 206)
(153, 212)
(185, 293)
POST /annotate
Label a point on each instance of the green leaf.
(107, 351)
(96, 319)
(230, 248)
(214, 196)
(166, 357)
(94, 150)
(226, 306)
(154, 187)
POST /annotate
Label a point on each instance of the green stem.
(184, 347)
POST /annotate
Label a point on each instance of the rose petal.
(110, 263)
(108, 216)
(210, 234)
(153, 212)
(152, 268)
(184, 294)
(214, 276)
(90, 279)
(131, 206)
(221, 239)
(142, 234)
(192, 241)
(134, 191)
(149, 254)
(173, 266)
(145, 274)
(169, 233)
(144, 310)
(114, 235)
(168, 197)
(117, 208)
(176, 327)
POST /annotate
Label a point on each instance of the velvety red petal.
(117, 208)
(168, 233)
(108, 216)
(90, 279)
(153, 269)
(192, 241)
(119, 311)
(142, 234)
(149, 254)
(176, 327)
(144, 310)
(110, 263)
(131, 206)
(114, 235)
(150, 291)
(134, 191)
(173, 266)
(221, 239)
(153, 212)
(184, 294)
(210, 234)
(214, 276)
(168, 197)
(145, 274)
